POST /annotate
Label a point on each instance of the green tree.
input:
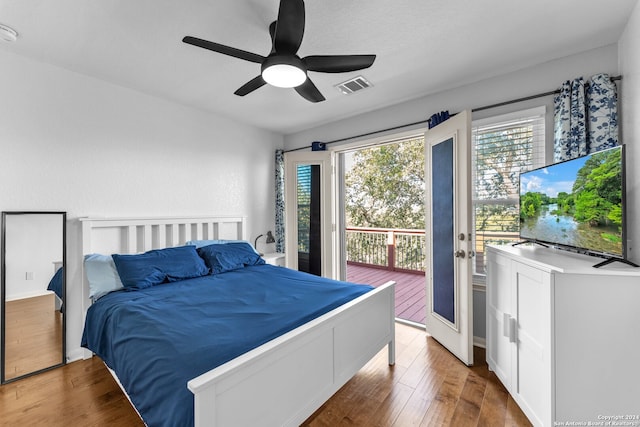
(545, 200)
(385, 186)
(563, 200)
(597, 193)
(304, 206)
(590, 207)
(501, 154)
(530, 204)
(500, 157)
(615, 214)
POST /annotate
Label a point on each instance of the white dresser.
(564, 337)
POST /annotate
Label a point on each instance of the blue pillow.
(101, 274)
(159, 266)
(230, 256)
(201, 243)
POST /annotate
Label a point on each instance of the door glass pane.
(308, 218)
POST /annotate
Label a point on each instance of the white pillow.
(102, 275)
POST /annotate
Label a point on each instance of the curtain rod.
(500, 104)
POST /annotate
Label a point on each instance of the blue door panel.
(443, 221)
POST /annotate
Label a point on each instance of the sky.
(552, 179)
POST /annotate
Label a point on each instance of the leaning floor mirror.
(33, 293)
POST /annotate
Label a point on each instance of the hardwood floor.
(427, 387)
(78, 394)
(33, 335)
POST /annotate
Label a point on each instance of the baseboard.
(75, 354)
(480, 342)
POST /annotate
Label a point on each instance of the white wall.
(531, 81)
(34, 249)
(73, 143)
(629, 46)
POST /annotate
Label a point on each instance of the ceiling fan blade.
(272, 33)
(250, 86)
(226, 50)
(289, 26)
(338, 63)
(309, 91)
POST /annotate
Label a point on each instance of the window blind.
(304, 206)
(502, 148)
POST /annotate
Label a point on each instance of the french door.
(308, 212)
(448, 222)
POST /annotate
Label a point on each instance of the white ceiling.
(422, 47)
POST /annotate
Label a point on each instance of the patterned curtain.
(570, 132)
(585, 117)
(602, 113)
(279, 236)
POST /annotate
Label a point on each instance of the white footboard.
(282, 382)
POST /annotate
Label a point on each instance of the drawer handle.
(509, 327)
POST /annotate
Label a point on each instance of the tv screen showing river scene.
(576, 203)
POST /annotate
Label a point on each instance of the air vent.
(8, 34)
(353, 85)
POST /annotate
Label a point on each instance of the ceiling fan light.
(284, 75)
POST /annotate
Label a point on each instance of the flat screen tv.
(577, 205)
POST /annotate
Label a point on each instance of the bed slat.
(132, 244)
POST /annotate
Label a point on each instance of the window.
(304, 206)
(309, 232)
(502, 147)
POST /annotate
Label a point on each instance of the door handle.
(459, 253)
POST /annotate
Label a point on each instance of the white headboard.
(133, 235)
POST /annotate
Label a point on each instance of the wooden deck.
(410, 289)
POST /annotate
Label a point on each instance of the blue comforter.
(55, 285)
(156, 339)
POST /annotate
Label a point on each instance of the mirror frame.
(3, 379)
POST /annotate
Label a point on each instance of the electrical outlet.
(29, 275)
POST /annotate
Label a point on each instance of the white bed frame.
(282, 382)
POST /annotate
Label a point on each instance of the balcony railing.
(391, 249)
(406, 250)
(484, 238)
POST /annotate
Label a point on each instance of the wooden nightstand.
(274, 258)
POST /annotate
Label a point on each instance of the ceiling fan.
(283, 67)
